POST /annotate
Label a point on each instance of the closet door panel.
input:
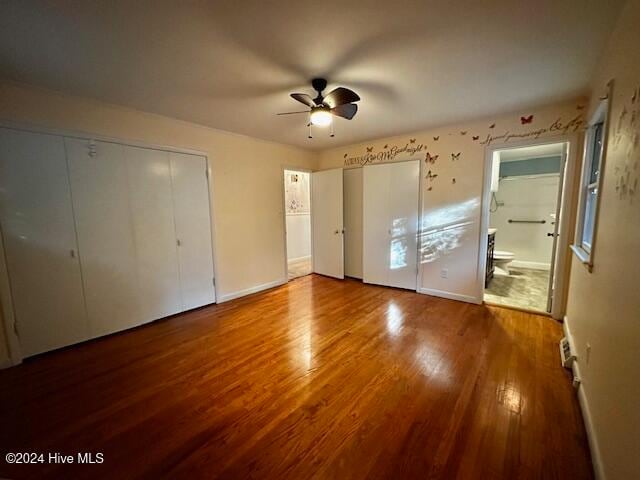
(327, 211)
(101, 200)
(353, 222)
(193, 229)
(154, 232)
(36, 216)
(390, 221)
(403, 206)
(376, 224)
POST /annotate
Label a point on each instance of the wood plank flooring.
(319, 378)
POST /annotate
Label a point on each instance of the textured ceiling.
(231, 64)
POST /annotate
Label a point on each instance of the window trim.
(601, 115)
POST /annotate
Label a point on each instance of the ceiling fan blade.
(340, 96)
(304, 98)
(347, 111)
(292, 113)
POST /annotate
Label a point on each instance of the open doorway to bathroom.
(524, 215)
(297, 201)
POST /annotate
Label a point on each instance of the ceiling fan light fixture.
(321, 117)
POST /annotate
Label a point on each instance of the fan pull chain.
(310, 136)
(332, 133)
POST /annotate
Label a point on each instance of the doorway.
(297, 201)
(524, 215)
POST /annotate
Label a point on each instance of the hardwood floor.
(319, 378)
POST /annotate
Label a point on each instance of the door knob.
(551, 234)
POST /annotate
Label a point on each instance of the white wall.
(246, 173)
(603, 308)
(298, 236)
(451, 210)
(352, 186)
(526, 198)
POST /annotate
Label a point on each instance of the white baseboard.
(532, 265)
(248, 291)
(449, 295)
(584, 407)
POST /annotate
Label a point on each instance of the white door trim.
(566, 220)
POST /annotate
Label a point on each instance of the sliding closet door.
(149, 181)
(376, 224)
(327, 218)
(101, 200)
(390, 222)
(403, 206)
(36, 217)
(193, 229)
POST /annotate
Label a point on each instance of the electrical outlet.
(444, 273)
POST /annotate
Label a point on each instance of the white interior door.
(353, 222)
(36, 217)
(404, 203)
(556, 232)
(327, 222)
(154, 232)
(390, 224)
(106, 240)
(376, 224)
(193, 229)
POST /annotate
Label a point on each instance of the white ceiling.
(231, 64)
(535, 151)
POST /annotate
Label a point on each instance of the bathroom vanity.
(490, 248)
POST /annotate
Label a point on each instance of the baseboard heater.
(566, 355)
(567, 358)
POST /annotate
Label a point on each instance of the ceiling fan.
(338, 102)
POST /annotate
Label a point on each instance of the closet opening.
(297, 208)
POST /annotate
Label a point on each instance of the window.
(590, 186)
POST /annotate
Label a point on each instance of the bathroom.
(525, 186)
(297, 199)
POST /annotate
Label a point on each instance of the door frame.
(8, 313)
(291, 168)
(566, 219)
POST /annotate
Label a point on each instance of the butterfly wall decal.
(453, 180)
(464, 132)
(476, 137)
(345, 155)
(369, 149)
(430, 176)
(525, 120)
(455, 156)
(431, 158)
(435, 139)
(412, 140)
